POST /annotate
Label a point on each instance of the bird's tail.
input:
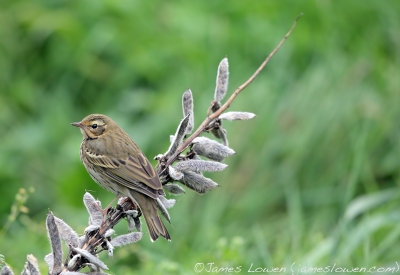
(148, 206)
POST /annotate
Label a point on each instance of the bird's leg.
(105, 210)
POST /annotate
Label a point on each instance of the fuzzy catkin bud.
(109, 233)
(93, 208)
(133, 213)
(138, 224)
(237, 116)
(211, 149)
(167, 203)
(73, 261)
(174, 173)
(131, 223)
(69, 236)
(80, 273)
(224, 136)
(91, 228)
(199, 166)
(90, 258)
(126, 239)
(50, 262)
(163, 209)
(198, 182)
(6, 270)
(222, 80)
(31, 266)
(55, 242)
(178, 137)
(174, 188)
(187, 106)
(110, 249)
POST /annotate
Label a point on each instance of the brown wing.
(133, 172)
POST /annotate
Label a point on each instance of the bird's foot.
(123, 200)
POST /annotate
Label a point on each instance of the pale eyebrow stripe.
(98, 122)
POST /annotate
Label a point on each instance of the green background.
(315, 180)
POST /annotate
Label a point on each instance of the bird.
(116, 163)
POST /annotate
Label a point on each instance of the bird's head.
(95, 125)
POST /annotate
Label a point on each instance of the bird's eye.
(94, 126)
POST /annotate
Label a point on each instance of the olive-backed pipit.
(115, 162)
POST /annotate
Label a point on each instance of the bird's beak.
(77, 124)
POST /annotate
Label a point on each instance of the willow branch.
(114, 216)
(225, 106)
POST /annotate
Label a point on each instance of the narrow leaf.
(367, 202)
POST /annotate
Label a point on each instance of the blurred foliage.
(316, 176)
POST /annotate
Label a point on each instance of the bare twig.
(211, 117)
